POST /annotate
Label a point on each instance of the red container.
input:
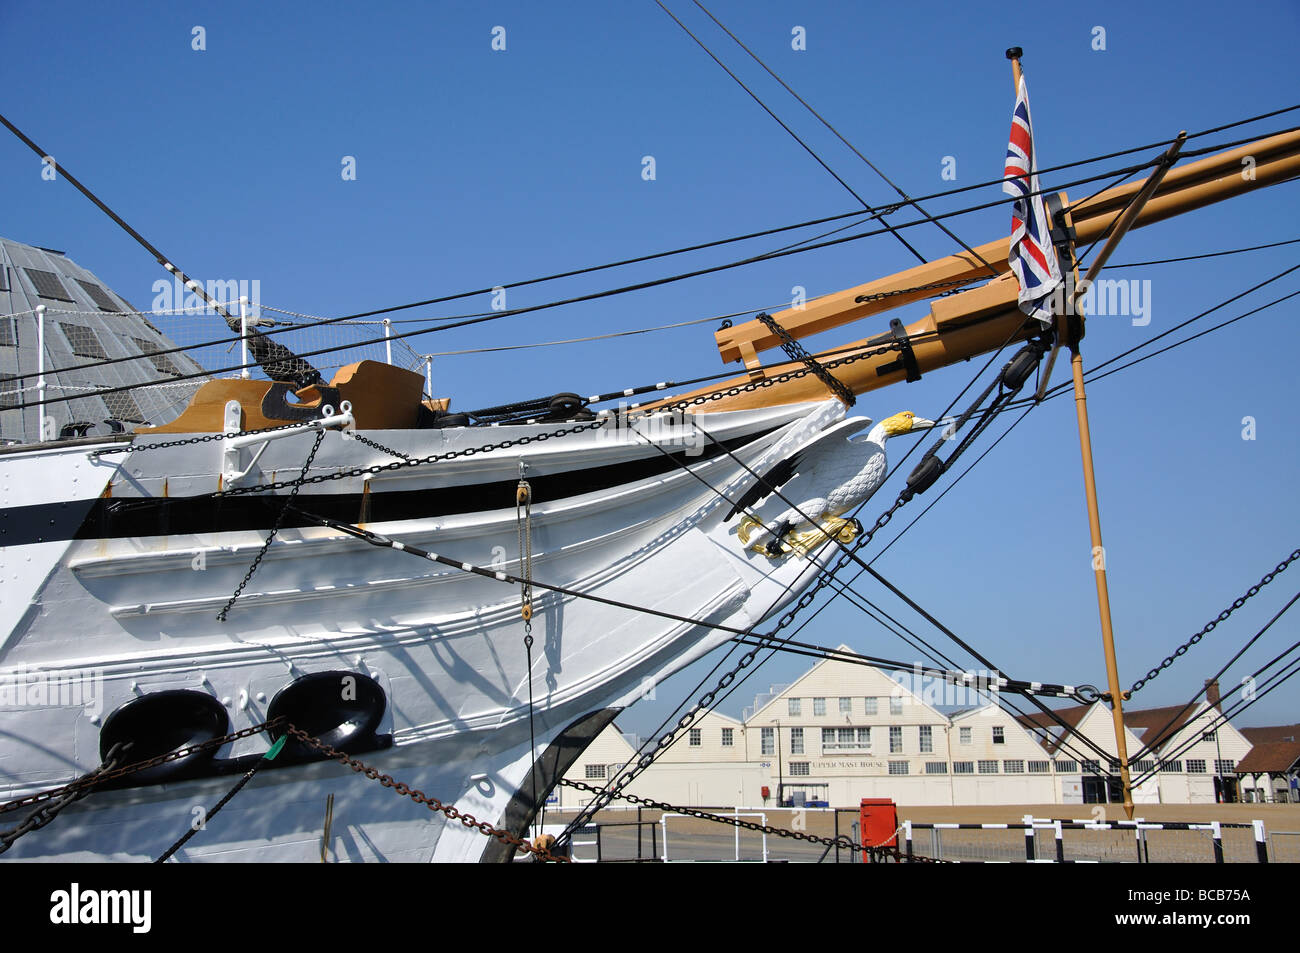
(878, 823)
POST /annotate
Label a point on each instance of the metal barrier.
(1284, 846)
(762, 819)
(1051, 840)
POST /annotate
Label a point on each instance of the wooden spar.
(982, 319)
(1204, 182)
(1126, 217)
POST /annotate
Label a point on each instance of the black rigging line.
(465, 320)
(906, 198)
(775, 647)
(1228, 664)
(1093, 374)
(480, 318)
(987, 451)
(1277, 678)
(878, 214)
(1213, 254)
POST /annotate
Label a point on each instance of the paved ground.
(692, 839)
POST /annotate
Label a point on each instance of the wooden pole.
(1085, 450)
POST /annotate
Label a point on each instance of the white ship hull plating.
(135, 612)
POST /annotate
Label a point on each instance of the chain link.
(353, 435)
(1210, 626)
(797, 352)
(204, 438)
(79, 788)
(841, 841)
(48, 812)
(408, 461)
(419, 797)
(933, 286)
(92, 780)
(706, 700)
(279, 519)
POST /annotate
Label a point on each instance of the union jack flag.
(1032, 256)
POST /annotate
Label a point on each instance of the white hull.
(446, 647)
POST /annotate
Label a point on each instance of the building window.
(1067, 767)
(727, 737)
(898, 767)
(999, 738)
(936, 767)
(927, 739)
(1175, 766)
(963, 767)
(1208, 735)
(47, 284)
(870, 706)
(963, 735)
(799, 769)
(796, 741)
(97, 294)
(846, 706)
(819, 706)
(8, 331)
(595, 772)
(1040, 767)
(793, 706)
(988, 767)
(122, 406)
(1225, 767)
(895, 704)
(83, 340)
(161, 362)
(768, 741)
(695, 738)
(1091, 767)
(1114, 766)
(10, 391)
(1143, 766)
(895, 739)
(842, 739)
(1013, 767)
(1196, 766)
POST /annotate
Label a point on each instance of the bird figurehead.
(905, 422)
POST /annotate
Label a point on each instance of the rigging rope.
(890, 182)
(877, 214)
(478, 318)
(216, 808)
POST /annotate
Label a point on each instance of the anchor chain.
(419, 797)
(275, 529)
(841, 841)
(1008, 382)
(1211, 625)
(72, 792)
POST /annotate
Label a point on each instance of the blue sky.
(477, 167)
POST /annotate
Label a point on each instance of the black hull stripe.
(177, 516)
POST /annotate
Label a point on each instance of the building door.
(1094, 789)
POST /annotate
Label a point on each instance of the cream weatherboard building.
(846, 731)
